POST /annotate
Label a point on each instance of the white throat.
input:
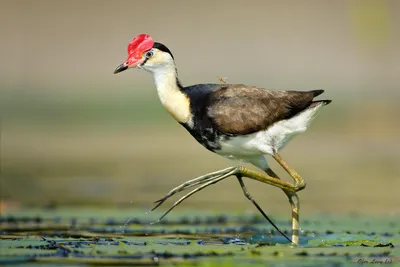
(165, 79)
(171, 96)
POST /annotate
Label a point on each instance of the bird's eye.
(149, 54)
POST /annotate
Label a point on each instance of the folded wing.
(240, 109)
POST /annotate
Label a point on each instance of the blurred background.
(73, 133)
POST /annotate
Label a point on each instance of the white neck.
(171, 96)
(165, 77)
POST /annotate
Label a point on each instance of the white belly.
(269, 141)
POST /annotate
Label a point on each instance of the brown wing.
(240, 109)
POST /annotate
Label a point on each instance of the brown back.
(240, 109)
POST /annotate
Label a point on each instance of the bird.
(239, 122)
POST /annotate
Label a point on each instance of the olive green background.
(74, 133)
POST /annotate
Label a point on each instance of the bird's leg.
(232, 170)
(249, 197)
(295, 205)
(289, 189)
(267, 179)
(215, 177)
(299, 184)
(207, 180)
(244, 172)
(298, 180)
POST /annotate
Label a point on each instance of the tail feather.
(318, 102)
(317, 92)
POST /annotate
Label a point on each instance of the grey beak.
(120, 68)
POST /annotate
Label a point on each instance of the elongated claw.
(162, 200)
(155, 222)
(210, 182)
(158, 204)
(212, 178)
(199, 180)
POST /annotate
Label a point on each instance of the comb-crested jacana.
(233, 120)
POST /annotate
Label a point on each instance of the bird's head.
(146, 54)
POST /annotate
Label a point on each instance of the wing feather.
(240, 109)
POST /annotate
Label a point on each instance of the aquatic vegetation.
(87, 236)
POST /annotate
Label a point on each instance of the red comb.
(139, 45)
